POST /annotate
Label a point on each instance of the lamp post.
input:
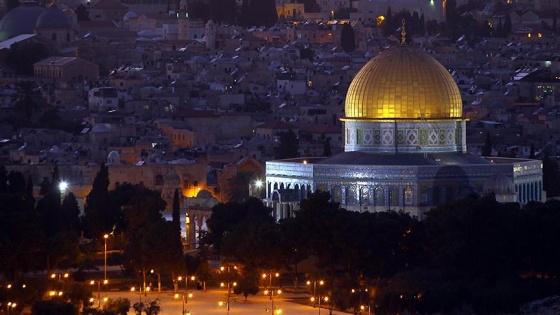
(92, 282)
(139, 291)
(105, 237)
(321, 282)
(10, 305)
(187, 294)
(363, 307)
(264, 276)
(229, 284)
(278, 292)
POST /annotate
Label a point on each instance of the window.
(408, 195)
(158, 180)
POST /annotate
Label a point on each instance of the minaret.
(210, 35)
(183, 22)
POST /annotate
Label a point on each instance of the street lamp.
(184, 297)
(269, 275)
(363, 307)
(229, 284)
(60, 276)
(9, 306)
(105, 282)
(187, 278)
(321, 282)
(278, 292)
(105, 237)
(326, 298)
(139, 291)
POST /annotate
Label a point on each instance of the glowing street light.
(105, 282)
(229, 284)
(10, 306)
(62, 186)
(105, 237)
(313, 298)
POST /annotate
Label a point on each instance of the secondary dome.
(53, 17)
(20, 20)
(403, 82)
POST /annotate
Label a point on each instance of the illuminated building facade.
(405, 147)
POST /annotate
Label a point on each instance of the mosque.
(404, 147)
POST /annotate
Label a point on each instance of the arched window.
(379, 197)
(408, 195)
(351, 196)
(336, 194)
(364, 196)
(394, 196)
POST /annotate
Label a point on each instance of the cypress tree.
(3, 179)
(97, 202)
(347, 39)
(176, 215)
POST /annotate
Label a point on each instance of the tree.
(258, 13)
(238, 190)
(327, 147)
(97, 219)
(21, 235)
(289, 145)
(3, 179)
(142, 211)
(11, 4)
(388, 28)
(551, 177)
(118, 306)
(487, 148)
(248, 284)
(223, 11)
(507, 24)
(311, 6)
(22, 56)
(176, 215)
(163, 249)
(347, 40)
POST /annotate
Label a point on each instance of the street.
(207, 303)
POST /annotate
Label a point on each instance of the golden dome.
(403, 83)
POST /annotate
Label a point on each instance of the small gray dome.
(130, 15)
(113, 158)
(20, 20)
(172, 176)
(53, 17)
(499, 184)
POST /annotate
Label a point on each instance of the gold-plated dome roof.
(403, 82)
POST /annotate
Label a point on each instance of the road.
(207, 303)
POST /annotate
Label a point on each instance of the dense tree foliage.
(475, 253)
(258, 13)
(288, 146)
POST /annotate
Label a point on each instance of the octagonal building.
(404, 146)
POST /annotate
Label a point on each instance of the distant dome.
(130, 15)
(69, 11)
(172, 176)
(20, 20)
(500, 185)
(53, 17)
(113, 158)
